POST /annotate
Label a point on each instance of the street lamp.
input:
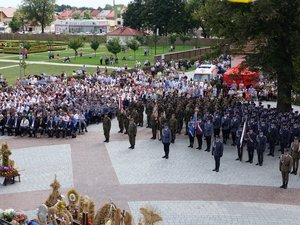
(21, 59)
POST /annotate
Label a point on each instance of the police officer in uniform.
(285, 166)
(208, 133)
(261, 142)
(251, 143)
(273, 137)
(217, 152)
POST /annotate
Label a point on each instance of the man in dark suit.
(60, 128)
(32, 126)
(8, 125)
(50, 127)
(217, 152)
(16, 124)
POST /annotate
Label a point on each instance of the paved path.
(183, 188)
(7, 67)
(55, 64)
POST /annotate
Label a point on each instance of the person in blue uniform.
(217, 152)
(261, 142)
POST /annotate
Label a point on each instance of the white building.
(82, 26)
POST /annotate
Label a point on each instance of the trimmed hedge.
(35, 49)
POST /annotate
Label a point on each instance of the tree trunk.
(43, 28)
(284, 85)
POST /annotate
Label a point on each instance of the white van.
(205, 72)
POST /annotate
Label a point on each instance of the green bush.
(36, 49)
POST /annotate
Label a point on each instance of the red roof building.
(124, 34)
(125, 31)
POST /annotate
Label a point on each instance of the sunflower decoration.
(61, 206)
(73, 196)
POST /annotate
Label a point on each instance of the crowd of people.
(55, 106)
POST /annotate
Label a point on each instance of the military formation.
(252, 128)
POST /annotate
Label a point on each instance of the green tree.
(75, 44)
(87, 15)
(140, 39)
(39, 12)
(113, 46)
(108, 7)
(15, 24)
(184, 38)
(272, 27)
(133, 45)
(134, 15)
(76, 16)
(95, 45)
(172, 39)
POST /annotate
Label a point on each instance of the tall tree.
(95, 45)
(272, 27)
(169, 16)
(15, 24)
(113, 46)
(75, 44)
(134, 15)
(39, 12)
(108, 7)
(133, 45)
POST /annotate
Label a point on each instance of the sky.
(78, 3)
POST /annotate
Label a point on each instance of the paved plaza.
(183, 189)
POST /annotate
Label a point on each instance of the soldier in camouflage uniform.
(126, 121)
(173, 127)
(285, 166)
(149, 110)
(154, 125)
(132, 130)
(120, 118)
(106, 127)
(140, 110)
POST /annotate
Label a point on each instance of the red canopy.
(241, 75)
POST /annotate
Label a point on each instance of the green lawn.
(11, 74)
(3, 64)
(102, 51)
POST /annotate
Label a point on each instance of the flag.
(192, 128)
(243, 133)
(120, 103)
(241, 1)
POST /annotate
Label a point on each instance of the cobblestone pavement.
(38, 167)
(132, 178)
(214, 213)
(186, 165)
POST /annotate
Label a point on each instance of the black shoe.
(214, 170)
(251, 162)
(86, 130)
(248, 161)
(237, 159)
(152, 138)
(260, 164)
(172, 142)
(282, 186)
(159, 139)
(217, 170)
(257, 164)
(233, 144)
(189, 146)
(164, 157)
(130, 147)
(199, 148)
(126, 132)
(269, 154)
(167, 157)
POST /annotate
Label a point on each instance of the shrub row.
(44, 48)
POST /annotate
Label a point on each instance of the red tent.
(240, 74)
